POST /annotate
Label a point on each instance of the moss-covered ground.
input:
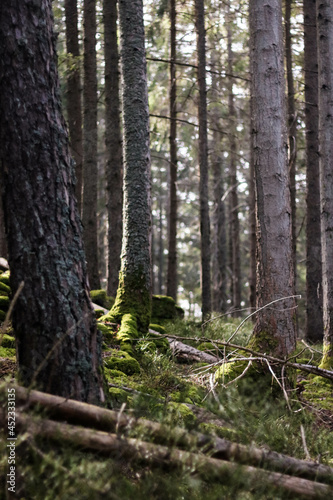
(145, 381)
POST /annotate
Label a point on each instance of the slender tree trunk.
(314, 298)
(233, 205)
(89, 211)
(3, 238)
(172, 239)
(160, 249)
(74, 107)
(203, 159)
(325, 60)
(57, 343)
(114, 162)
(252, 224)
(292, 126)
(134, 290)
(275, 327)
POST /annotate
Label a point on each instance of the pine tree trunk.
(3, 238)
(252, 225)
(325, 60)
(73, 100)
(89, 209)
(172, 236)
(203, 159)
(314, 298)
(233, 205)
(134, 291)
(57, 343)
(275, 327)
(114, 162)
(292, 126)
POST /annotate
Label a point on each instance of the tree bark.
(57, 344)
(203, 159)
(3, 238)
(134, 291)
(173, 202)
(114, 161)
(325, 81)
(89, 209)
(314, 297)
(73, 100)
(275, 328)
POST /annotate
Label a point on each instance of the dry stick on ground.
(108, 420)
(209, 469)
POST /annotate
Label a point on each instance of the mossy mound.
(117, 375)
(6, 352)
(8, 341)
(101, 298)
(122, 361)
(5, 278)
(164, 307)
(180, 414)
(118, 396)
(5, 293)
(319, 392)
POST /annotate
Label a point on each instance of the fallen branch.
(108, 420)
(209, 469)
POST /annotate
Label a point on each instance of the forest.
(166, 249)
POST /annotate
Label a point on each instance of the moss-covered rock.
(8, 341)
(101, 298)
(6, 352)
(5, 278)
(122, 361)
(112, 375)
(4, 289)
(118, 396)
(164, 307)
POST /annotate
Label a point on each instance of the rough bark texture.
(89, 208)
(3, 238)
(325, 81)
(74, 107)
(203, 159)
(134, 291)
(57, 343)
(252, 226)
(114, 160)
(233, 204)
(275, 327)
(292, 125)
(314, 297)
(172, 215)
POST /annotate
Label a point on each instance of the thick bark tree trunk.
(134, 291)
(89, 209)
(74, 107)
(325, 60)
(203, 159)
(314, 297)
(114, 161)
(57, 343)
(172, 240)
(275, 327)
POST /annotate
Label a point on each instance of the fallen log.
(208, 469)
(108, 420)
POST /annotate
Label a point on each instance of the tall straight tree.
(73, 101)
(3, 239)
(325, 62)
(275, 327)
(203, 159)
(314, 297)
(172, 213)
(134, 290)
(114, 161)
(89, 208)
(57, 343)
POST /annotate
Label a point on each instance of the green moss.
(217, 430)
(8, 341)
(128, 329)
(319, 392)
(6, 352)
(107, 331)
(133, 298)
(122, 361)
(4, 303)
(101, 298)
(5, 278)
(157, 328)
(180, 414)
(263, 342)
(327, 359)
(118, 395)
(114, 374)
(4, 289)
(164, 307)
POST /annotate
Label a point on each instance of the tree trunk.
(292, 126)
(57, 343)
(114, 161)
(134, 291)
(3, 238)
(325, 55)
(160, 248)
(172, 236)
(89, 210)
(252, 225)
(73, 100)
(233, 205)
(314, 298)
(275, 327)
(203, 159)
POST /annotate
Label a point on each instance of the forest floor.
(150, 381)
